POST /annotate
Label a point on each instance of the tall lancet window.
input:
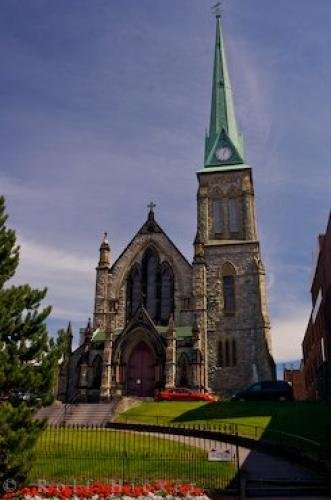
(151, 283)
(234, 221)
(229, 289)
(218, 217)
(167, 293)
(133, 291)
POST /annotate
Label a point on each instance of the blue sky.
(103, 108)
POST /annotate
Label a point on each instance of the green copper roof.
(98, 335)
(224, 144)
(181, 333)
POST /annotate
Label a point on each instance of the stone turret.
(101, 308)
(88, 332)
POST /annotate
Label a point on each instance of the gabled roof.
(150, 226)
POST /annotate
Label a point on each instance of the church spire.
(224, 145)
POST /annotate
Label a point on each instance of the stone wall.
(248, 326)
(168, 252)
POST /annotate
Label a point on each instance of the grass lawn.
(67, 455)
(310, 420)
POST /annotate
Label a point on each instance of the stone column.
(199, 287)
(106, 380)
(202, 229)
(196, 364)
(249, 215)
(170, 368)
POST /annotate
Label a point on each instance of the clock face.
(223, 153)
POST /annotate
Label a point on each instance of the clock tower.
(228, 273)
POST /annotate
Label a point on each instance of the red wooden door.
(141, 371)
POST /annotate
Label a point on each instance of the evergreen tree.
(28, 362)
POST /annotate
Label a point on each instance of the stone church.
(162, 321)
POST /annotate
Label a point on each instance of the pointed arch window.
(218, 216)
(233, 211)
(227, 353)
(133, 291)
(234, 353)
(151, 282)
(167, 293)
(220, 354)
(152, 286)
(229, 292)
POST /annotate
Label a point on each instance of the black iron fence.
(77, 455)
(282, 440)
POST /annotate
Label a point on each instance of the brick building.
(317, 341)
(160, 320)
(296, 377)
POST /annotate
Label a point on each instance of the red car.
(183, 394)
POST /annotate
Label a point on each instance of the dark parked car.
(273, 390)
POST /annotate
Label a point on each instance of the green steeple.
(224, 144)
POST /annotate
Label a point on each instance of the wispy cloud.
(69, 278)
(104, 109)
(288, 332)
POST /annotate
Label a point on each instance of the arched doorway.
(96, 372)
(141, 371)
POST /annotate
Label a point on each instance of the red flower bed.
(102, 491)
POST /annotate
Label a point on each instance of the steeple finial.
(151, 207)
(69, 329)
(217, 9)
(223, 142)
(105, 241)
(88, 330)
(104, 259)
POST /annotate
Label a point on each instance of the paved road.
(257, 465)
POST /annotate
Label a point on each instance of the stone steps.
(89, 414)
(54, 413)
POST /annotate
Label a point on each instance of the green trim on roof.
(181, 333)
(225, 168)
